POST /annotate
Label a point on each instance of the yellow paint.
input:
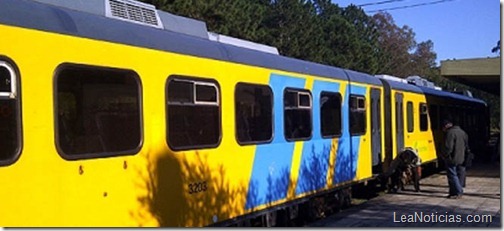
(296, 164)
(309, 83)
(42, 189)
(332, 162)
(418, 139)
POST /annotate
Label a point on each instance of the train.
(112, 122)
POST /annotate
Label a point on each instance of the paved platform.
(479, 207)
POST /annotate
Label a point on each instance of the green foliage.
(292, 28)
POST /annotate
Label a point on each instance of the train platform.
(480, 205)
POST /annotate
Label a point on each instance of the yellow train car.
(117, 124)
(408, 121)
(110, 122)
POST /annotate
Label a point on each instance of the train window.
(10, 122)
(98, 111)
(254, 113)
(205, 93)
(330, 114)
(357, 115)
(297, 114)
(409, 114)
(424, 122)
(193, 113)
(434, 118)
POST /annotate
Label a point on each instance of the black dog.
(404, 169)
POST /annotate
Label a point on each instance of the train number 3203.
(197, 187)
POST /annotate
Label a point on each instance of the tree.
(423, 59)
(292, 28)
(365, 37)
(394, 45)
(238, 18)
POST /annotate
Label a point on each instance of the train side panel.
(418, 134)
(157, 185)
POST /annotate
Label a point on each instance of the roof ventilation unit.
(392, 78)
(133, 11)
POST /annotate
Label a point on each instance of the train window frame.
(196, 81)
(423, 118)
(271, 100)
(297, 106)
(127, 73)
(357, 106)
(410, 122)
(12, 82)
(340, 100)
(14, 93)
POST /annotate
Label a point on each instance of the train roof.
(403, 86)
(434, 92)
(50, 18)
(355, 76)
(430, 91)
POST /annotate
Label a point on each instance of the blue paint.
(316, 152)
(345, 167)
(272, 163)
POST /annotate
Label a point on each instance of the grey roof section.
(429, 91)
(242, 43)
(90, 6)
(30, 14)
(262, 59)
(360, 77)
(434, 92)
(183, 25)
(403, 86)
(170, 21)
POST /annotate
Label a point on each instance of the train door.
(399, 122)
(376, 130)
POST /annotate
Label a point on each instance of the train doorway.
(376, 140)
(399, 122)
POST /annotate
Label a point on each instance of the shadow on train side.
(276, 188)
(172, 202)
(168, 201)
(314, 173)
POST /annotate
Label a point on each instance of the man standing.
(455, 145)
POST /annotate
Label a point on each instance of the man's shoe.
(455, 196)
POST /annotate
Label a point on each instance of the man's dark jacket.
(455, 145)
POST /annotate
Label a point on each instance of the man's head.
(446, 124)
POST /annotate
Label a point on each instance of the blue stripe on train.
(316, 152)
(345, 167)
(270, 177)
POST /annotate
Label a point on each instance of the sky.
(459, 29)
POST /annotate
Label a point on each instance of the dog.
(404, 169)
